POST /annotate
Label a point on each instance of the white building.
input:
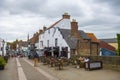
(60, 39)
(22, 47)
(63, 39)
(52, 40)
(3, 45)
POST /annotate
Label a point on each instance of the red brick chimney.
(74, 28)
(66, 16)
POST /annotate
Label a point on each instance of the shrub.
(2, 61)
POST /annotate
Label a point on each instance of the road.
(23, 69)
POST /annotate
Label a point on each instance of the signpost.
(93, 65)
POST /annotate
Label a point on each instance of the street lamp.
(3, 42)
(28, 49)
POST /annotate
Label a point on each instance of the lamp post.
(3, 42)
(29, 49)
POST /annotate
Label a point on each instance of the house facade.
(3, 45)
(63, 39)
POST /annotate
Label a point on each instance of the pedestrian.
(86, 59)
(36, 56)
(86, 62)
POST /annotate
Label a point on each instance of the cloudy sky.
(20, 17)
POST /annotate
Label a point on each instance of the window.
(49, 31)
(56, 42)
(41, 43)
(48, 43)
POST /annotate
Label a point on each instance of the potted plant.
(2, 63)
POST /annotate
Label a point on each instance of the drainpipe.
(90, 47)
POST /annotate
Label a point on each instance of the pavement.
(10, 71)
(23, 69)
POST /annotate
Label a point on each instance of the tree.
(118, 39)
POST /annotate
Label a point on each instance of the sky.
(18, 18)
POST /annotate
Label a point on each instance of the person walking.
(36, 56)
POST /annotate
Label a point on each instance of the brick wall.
(84, 48)
(74, 29)
(94, 49)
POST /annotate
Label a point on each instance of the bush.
(2, 61)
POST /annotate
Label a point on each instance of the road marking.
(18, 63)
(21, 73)
(50, 77)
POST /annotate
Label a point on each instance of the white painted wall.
(37, 45)
(54, 33)
(1, 45)
(24, 48)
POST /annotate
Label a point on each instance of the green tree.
(118, 39)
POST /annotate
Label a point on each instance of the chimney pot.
(73, 20)
(66, 16)
(44, 28)
(40, 31)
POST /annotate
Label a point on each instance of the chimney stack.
(74, 28)
(66, 16)
(36, 33)
(40, 31)
(44, 28)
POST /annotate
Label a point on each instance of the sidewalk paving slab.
(30, 72)
(72, 73)
(10, 71)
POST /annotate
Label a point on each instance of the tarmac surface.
(23, 69)
(10, 71)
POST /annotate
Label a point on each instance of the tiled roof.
(106, 46)
(25, 44)
(93, 38)
(72, 42)
(83, 35)
(35, 38)
(111, 40)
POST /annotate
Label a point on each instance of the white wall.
(4, 48)
(0, 46)
(54, 33)
(37, 45)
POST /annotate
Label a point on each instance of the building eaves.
(110, 40)
(54, 24)
(93, 38)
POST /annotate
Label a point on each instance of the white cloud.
(20, 17)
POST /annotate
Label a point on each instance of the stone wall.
(113, 60)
